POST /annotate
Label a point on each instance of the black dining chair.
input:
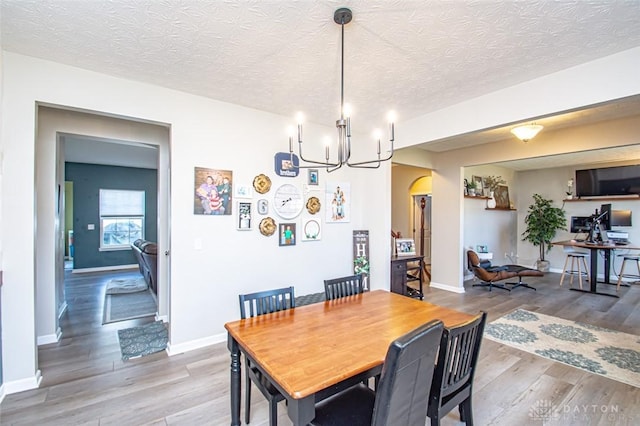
(456, 365)
(403, 391)
(344, 286)
(260, 303)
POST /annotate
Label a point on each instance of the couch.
(146, 253)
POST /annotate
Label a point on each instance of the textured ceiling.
(282, 56)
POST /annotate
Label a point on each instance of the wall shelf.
(624, 197)
(501, 208)
(477, 197)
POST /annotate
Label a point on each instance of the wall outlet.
(91, 227)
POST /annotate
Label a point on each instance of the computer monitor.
(580, 224)
(605, 213)
(620, 218)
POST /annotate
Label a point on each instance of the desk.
(593, 268)
(405, 269)
(313, 351)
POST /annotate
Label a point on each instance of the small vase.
(472, 192)
(491, 202)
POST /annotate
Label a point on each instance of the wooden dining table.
(314, 351)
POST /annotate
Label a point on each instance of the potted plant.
(493, 182)
(471, 188)
(543, 220)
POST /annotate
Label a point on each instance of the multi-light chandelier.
(342, 17)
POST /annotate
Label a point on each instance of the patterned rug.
(308, 299)
(595, 349)
(143, 340)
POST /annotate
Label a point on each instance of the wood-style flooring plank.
(85, 382)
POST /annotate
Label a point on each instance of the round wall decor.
(262, 184)
(313, 205)
(267, 226)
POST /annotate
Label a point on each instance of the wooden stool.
(576, 259)
(629, 258)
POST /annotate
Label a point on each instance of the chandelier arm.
(306, 160)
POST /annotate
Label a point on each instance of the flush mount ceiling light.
(526, 132)
(342, 17)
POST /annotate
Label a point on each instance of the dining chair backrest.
(403, 391)
(265, 302)
(344, 286)
(455, 367)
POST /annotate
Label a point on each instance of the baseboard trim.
(2, 393)
(163, 318)
(195, 344)
(24, 384)
(50, 338)
(447, 287)
(104, 268)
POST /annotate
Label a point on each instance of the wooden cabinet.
(405, 270)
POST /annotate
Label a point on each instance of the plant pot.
(542, 265)
(472, 192)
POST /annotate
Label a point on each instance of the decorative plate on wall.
(313, 205)
(262, 184)
(267, 226)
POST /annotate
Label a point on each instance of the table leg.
(607, 265)
(594, 276)
(302, 411)
(235, 380)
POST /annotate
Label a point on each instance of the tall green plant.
(543, 220)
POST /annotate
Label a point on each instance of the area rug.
(131, 285)
(308, 299)
(595, 349)
(122, 307)
(143, 340)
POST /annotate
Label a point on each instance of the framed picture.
(311, 230)
(501, 195)
(287, 234)
(212, 191)
(337, 202)
(263, 206)
(405, 247)
(479, 185)
(244, 215)
(243, 191)
(482, 249)
(313, 177)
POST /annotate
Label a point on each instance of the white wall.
(205, 282)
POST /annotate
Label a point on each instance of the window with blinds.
(122, 214)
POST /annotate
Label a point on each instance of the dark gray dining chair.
(343, 286)
(455, 368)
(403, 392)
(260, 303)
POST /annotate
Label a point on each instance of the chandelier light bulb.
(347, 110)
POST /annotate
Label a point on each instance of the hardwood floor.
(86, 383)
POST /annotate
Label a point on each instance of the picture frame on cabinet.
(405, 247)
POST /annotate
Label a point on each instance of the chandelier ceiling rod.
(342, 17)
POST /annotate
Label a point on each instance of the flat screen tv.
(623, 180)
